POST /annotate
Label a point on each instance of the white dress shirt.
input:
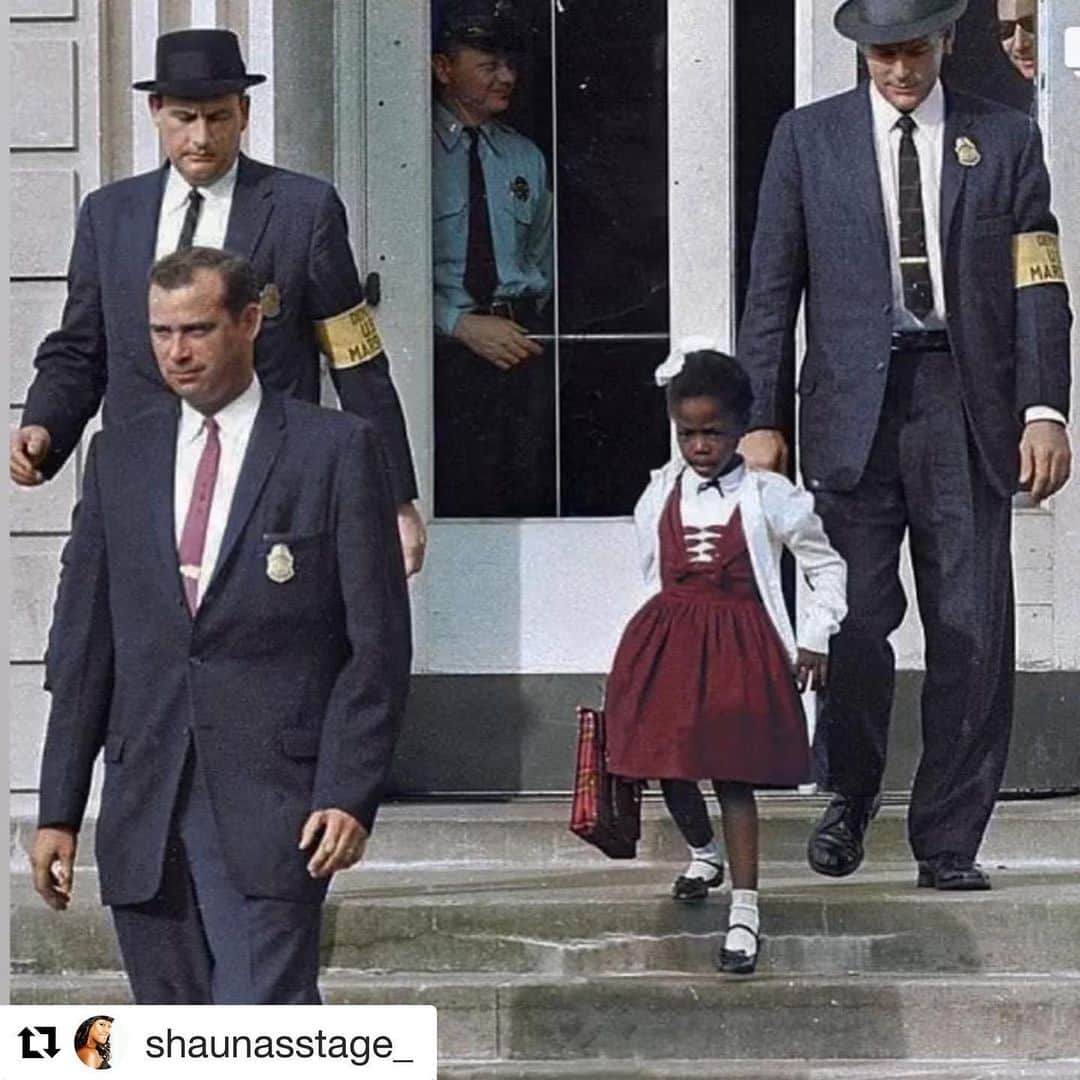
(213, 216)
(235, 422)
(929, 138)
(711, 508)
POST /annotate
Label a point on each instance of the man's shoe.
(952, 873)
(836, 844)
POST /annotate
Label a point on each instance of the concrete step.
(534, 832)
(620, 919)
(501, 1018)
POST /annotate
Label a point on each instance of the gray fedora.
(887, 22)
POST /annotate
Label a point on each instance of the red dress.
(701, 686)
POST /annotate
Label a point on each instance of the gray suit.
(896, 442)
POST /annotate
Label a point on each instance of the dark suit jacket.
(821, 233)
(291, 692)
(293, 230)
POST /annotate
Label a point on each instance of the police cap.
(492, 25)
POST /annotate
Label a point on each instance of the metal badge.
(967, 153)
(270, 301)
(279, 564)
(520, 188)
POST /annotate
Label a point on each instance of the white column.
(701, 168)
(145, 154)
(260, 58)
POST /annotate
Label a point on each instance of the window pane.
(614, 425)
(612, 165)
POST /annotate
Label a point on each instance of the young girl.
(706, 680)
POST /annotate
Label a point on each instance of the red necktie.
(193, 537)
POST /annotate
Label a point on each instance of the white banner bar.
(159, 1042)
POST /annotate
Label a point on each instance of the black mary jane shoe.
(835, 848)
(952, 873)
(688, 890)
(735, 961)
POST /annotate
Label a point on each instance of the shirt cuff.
(1044, 412)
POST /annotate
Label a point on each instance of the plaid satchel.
(606, 811)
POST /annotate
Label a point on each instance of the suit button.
(880, 367)
(195, 661)
(814, 483)
(886, 309)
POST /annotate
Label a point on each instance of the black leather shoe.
(735, 961)
(836, 844)
(952, 873)
(689, 890)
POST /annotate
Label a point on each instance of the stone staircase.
(546, 960)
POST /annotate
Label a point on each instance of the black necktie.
(481, 275)
(191, 219)
(713, 483)
(914, 263)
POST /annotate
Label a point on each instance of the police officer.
(492, 229)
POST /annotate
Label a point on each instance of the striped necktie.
(193, 536)
(914, 262)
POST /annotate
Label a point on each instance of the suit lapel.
(252, 202)
(135, 245)
(953, 174)
(267, 435)
(857, 150)
(159, 472)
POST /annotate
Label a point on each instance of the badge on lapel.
(520, 188)
(270, 301)
(967, 153)
(280, 565)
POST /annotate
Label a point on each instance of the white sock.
(705, 861)
(744, 910)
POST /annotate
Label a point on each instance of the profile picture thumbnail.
(92, 1042)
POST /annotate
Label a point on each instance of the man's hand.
(811, 670)
(29, 448)
(497, 340)
(413, 537)
(764, 448)
(342, 843)
(53, 862)
(1045, 459)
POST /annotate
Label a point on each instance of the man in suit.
(916, 223)
(232, 628)
(291, 227)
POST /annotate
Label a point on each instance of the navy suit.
(287, 695)
(291, 227)
(923, 444)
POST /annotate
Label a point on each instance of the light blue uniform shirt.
(520, 204)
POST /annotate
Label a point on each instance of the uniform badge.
(967, 153)
(520, 188)
(279, 564)
(270, 301)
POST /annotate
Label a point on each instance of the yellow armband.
(349, 339)
(1037, 259)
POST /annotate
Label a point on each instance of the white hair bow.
(677, 357)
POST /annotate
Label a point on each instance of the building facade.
(654, 118)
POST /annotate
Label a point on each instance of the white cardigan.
(775, 514)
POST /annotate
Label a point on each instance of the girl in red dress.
(706, 679)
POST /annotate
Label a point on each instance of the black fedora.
(887, 22)
(198, 64)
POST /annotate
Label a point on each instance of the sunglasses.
(1007, 27)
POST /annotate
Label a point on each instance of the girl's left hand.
(811, 670)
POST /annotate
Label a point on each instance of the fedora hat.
(886, 22)
(198, 64)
